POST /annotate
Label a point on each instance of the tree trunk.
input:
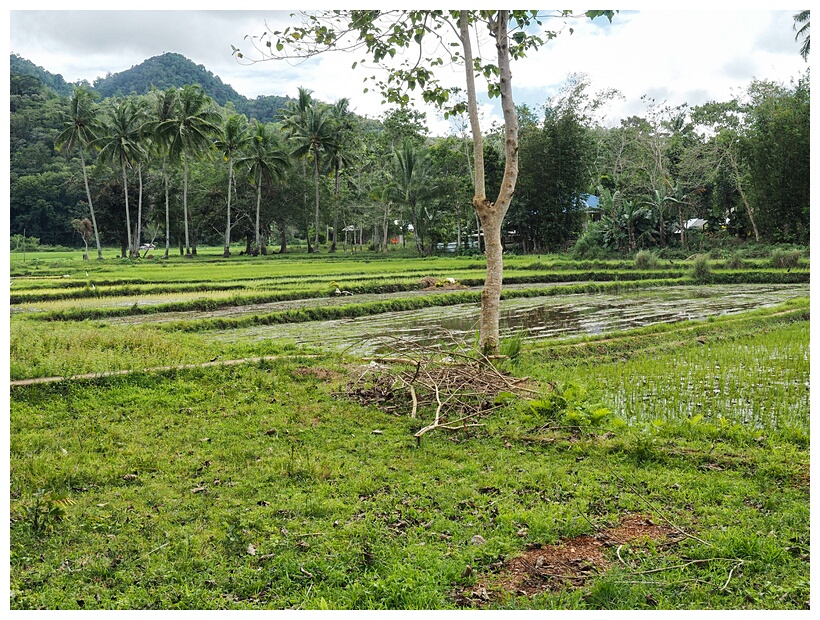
(127, 212)
(337, 183)
(417, 231)
(91, 208)
(167, 209)
(316, 179)
(283, 241)
(135, 249)
(258, 244)
(185, 203)
(227, 250)
(458, 227)
(491, 215)
(385, 227)
(746, 204)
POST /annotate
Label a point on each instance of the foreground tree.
(81, 131)
(382, 35)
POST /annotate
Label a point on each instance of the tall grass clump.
(701, 272)
(782, 259)
(646, 260)
(735, 262)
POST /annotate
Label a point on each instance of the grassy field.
(663, 465)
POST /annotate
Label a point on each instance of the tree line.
(173, 165)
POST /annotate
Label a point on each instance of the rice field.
(275, 484)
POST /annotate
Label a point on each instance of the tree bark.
(491, 215)
(90, 207)
(316, 180)
(185, 203)
(257, 245)
(135, 250)
(749, 210)
(227, 250)
(167, 208)
(283, 241)
(127, 212)
(336, 191)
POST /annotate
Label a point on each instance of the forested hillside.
(280, 170)
(164, 71)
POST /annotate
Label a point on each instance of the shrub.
(782, 259)
(735, 262)
(701, 271)
(646, 260)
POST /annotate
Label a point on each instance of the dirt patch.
(569, 563)
(429, 283)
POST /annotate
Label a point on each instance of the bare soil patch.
(569, 563)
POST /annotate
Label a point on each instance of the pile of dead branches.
(454, 389)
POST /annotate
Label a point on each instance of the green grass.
(263, 486)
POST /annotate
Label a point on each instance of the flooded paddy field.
(535, 318)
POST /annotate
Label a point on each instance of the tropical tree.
(81, 131)
(412, 184)
(267, 161)
(803, 17)
(188, 134)
(657, 202)
(340, 153)
(122, 147)
(144, 135)
(232, 140)
(165, 103)
(313, 134)
(681, 199)
(86, 231)
(293, 116)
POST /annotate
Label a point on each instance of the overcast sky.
(690, 56)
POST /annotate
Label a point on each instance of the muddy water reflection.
(534, 318)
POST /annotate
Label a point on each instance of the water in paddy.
(535, 318)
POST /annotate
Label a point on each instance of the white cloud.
(679, 56)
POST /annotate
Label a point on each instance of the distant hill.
(164, 71)
(21, 66)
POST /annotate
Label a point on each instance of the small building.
(592, 208)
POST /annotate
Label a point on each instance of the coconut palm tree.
(188, 134)
(313, 136)
(122, 147)
(164, 105)
(140, 110)
(412, 184)
(309, 126)
(234, 137)
(81, 131)
(266, 160)
(292, 116)
(803, 17)
(339, 153)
